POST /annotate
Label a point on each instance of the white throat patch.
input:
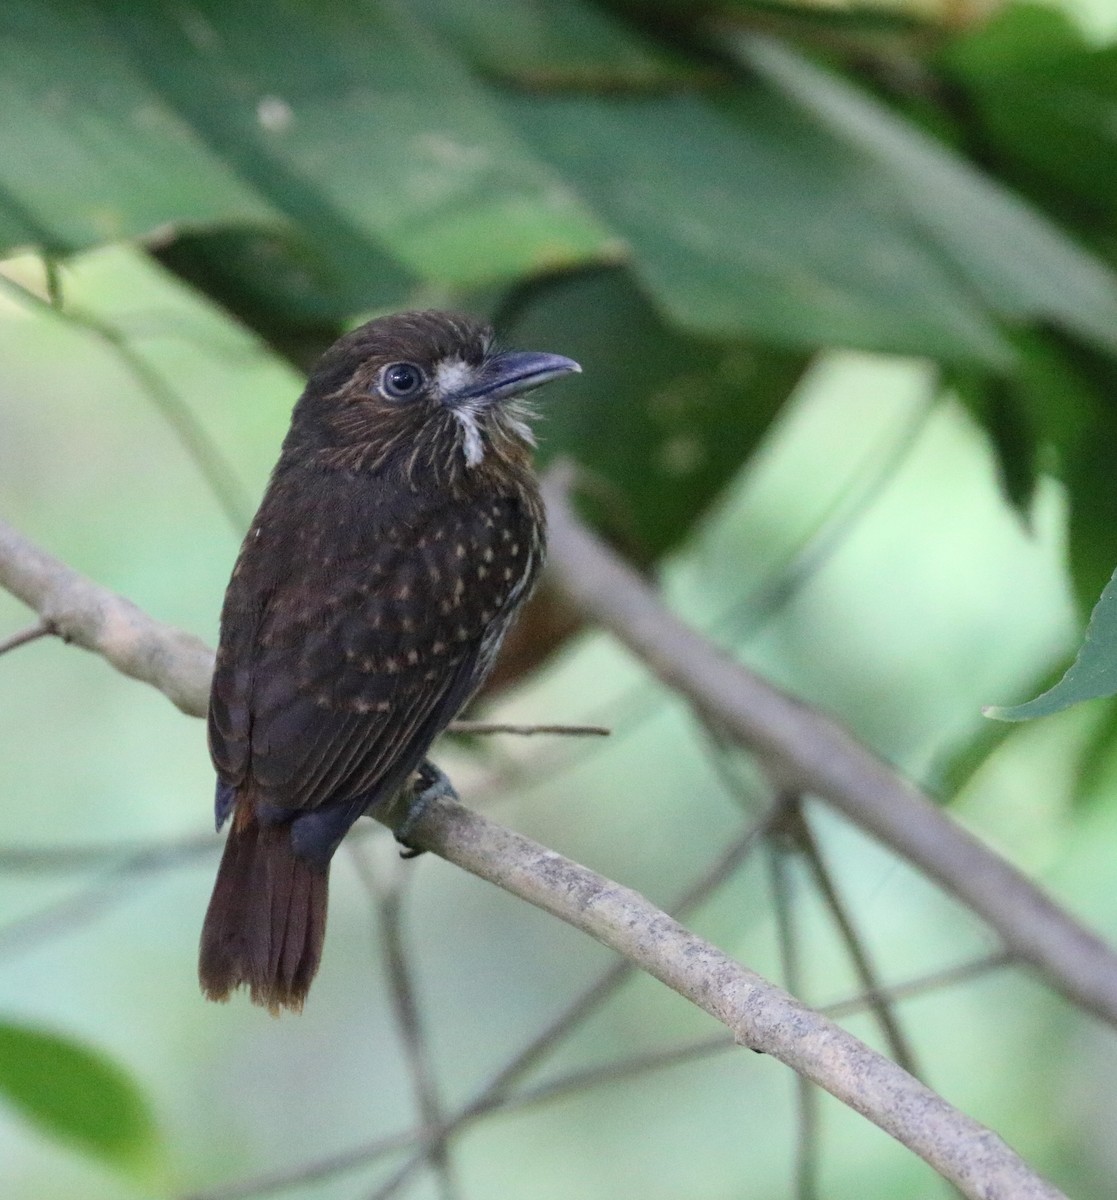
(473, 443)
(452, 375)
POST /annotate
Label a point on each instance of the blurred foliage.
(74, 1093)
(693, 198)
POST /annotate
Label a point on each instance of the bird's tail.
(266, 920)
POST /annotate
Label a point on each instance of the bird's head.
(420, 393)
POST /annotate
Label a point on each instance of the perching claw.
(430, 783)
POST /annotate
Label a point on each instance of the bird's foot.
(429, 783)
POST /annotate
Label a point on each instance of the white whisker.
(473, 443)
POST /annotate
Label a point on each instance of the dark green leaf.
(76, 108)
(746, 220)
(662, 420)
(993, 401)
(77, 1095)
(554, 43)
(1047, 99)
(1066, 394)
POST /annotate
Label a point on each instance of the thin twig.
(581, 1080)
(81, 611)
(492, 1095)
(496, 1093)
(758, 1014)
(131, 857)
(92, 899)
(31, 634)
(310, 1172)
(654, 1060)
(487, 727)
(806, 1096)
(748, 616)
(934, 980)
(387, 894)
(803, 839)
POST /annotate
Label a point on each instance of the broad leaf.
(550, 44)
(1001, 249)
(746, 218)
(368, 138)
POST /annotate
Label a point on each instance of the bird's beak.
(514, 373)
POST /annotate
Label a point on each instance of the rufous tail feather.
(266, 919)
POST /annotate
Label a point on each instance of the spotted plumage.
(400, 531)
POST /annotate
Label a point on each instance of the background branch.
(805, 751)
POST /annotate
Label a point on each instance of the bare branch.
(804, 750)
(757, 1013)
(205, 453)
(83, 612)
(387, 895)
(808, 1124)
(895, 1039)
(496, 1094)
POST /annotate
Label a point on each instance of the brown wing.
(341, 672)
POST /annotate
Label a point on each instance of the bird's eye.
(400, 380)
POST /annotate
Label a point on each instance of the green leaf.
(801, 211)
(993, 401)
(1047, 99)
(77, 1095)
(661, 420)
(370, 140)
(1003, 251)
(746, 219)
(1092, 674)
(76, 108)
(1063, 393)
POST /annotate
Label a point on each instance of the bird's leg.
(428, 783)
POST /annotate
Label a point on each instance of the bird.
(400, 532)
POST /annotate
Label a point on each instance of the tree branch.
(758, 1013)
(81, 611)
(806, 751)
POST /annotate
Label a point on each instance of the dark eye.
(400, 380)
